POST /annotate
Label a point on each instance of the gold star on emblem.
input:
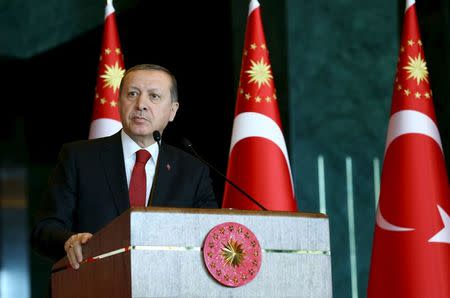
(417, 94)
(407, 92)
(247, 96)
(102, 100)
(253, 46)
(402, 49)
(411, 42)
(427, 95)
(233, 254)
(259, 72)
(117, 50)
(419, 42)
(112, 76)
(258, 99)
(241, 91)
(417, 69)
(113, 103)
(263, 46)
(267, 99)
(96, 95)
(399, 87)
(107, 51)
(245, 52)
(275, 96)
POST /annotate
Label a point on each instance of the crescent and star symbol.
(406, 122)
(443, 236)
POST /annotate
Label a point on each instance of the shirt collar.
(130, 147)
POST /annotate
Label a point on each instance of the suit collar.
(114, 167)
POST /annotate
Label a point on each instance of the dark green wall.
(342, 59)
(29, 28)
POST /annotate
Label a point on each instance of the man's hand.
(73, 248)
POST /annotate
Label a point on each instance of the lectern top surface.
(228, 211)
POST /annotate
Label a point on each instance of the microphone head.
(157, 136)
(186, 142)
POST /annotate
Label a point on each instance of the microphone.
(157, 138)
(189, 145)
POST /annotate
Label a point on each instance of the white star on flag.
(443, 235)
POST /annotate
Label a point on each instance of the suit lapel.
(114, 167)
(161, 184)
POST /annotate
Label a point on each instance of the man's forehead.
(148, 73)
(146, 76)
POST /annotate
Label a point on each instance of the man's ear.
(173, 110)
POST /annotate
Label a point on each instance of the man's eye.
(155, 96)
(132, 93)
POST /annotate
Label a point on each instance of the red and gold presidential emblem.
(232, 254)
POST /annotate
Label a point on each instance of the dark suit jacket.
(88, 189)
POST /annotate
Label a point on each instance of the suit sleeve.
(55, 217)
(205, 197)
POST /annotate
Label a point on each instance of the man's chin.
(142, 131)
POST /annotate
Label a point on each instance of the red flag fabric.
(105, 114)
(258, 160)
(411, 248)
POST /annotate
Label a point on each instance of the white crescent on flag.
(104, 127)
(251, 124)
(401, 123)
(410, 121)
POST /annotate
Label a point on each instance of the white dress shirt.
(129, 155)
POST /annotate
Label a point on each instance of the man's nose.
(141, 103)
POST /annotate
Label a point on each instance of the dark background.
(51, 94)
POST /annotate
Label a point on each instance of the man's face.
(145, 104)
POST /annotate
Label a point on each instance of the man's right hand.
(73, 248)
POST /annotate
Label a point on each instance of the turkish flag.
(105, 114)
(258, 161)
(411, 247)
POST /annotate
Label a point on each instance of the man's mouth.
(139, 118)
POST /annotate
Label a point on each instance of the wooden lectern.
(156, 252)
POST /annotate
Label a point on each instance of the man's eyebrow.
(132, 87)
(154, 90)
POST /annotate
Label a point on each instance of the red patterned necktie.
(138, 182)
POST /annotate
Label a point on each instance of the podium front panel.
(167, 261)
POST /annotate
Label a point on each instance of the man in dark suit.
(93, 181)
